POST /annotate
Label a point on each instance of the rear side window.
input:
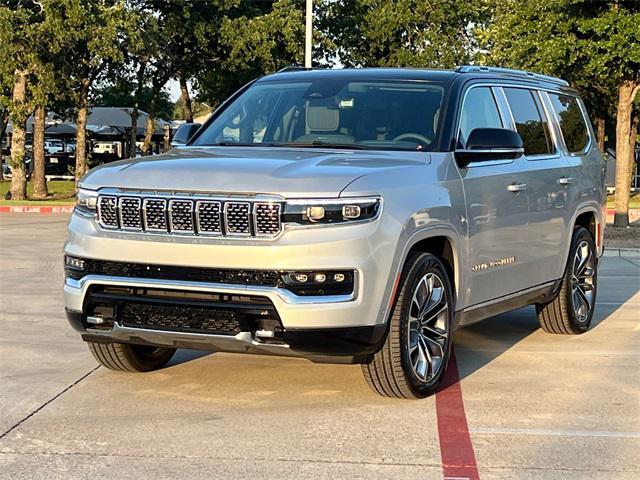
(479, 111)
(531, 123)
(572, 124)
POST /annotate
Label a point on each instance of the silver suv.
(345, 216)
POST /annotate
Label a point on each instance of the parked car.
(53, 146)
(184, 133)
(360, 216)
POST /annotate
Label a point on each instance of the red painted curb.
(456, 448)
(35, 209)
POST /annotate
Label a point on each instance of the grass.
(634, 201)
(61, 192)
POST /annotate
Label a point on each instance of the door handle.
(565, 180)
(517, 187)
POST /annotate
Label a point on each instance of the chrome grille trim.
(210, 224)
(154, 220)
(129, 213)
(181, 216)
(237, 219)
(191, 215)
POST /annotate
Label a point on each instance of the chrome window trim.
(585, 118)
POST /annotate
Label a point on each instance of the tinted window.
(379, 115)
(574, 129)
(479, 111)
(531, 123)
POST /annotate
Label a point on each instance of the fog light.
(301, 277)
(74, 263)
(339, 277)
(351, 211)
(315, 214)
(320, 277)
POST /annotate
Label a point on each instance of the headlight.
(87, 201)
(326, 211)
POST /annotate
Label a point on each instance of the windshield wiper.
(320, 144)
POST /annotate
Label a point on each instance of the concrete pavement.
(538, 406)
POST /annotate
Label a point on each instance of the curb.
(622, 252)
(36, 209)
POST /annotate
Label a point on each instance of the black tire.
(390, 372)
(560, 316)
(126, 357)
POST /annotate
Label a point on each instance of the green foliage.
(591, 44)
(399, 33)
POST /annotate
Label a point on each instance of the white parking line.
(556, 433)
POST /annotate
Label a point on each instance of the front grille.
(181, 310)
(177, 318)
(190, 216)
(130, 213)
(263, 278)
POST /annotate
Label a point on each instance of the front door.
(497, 208)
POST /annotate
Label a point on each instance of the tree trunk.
(39, 180)
(18, 171)
(4, 119)
(150, 127)
(600, 129)
(133, 132)
(635, 123)
(187, 112)
(626, 93)
(81, 131)
(166, 138)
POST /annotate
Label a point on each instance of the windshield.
(334, 113)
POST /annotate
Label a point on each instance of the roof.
(443, 76)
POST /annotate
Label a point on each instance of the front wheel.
(571, 310)
(130, 358)
(416, 351)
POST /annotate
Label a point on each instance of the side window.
(531, 122)
(479, 111)
(572, 124)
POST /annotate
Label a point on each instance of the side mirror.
(486, 144)
(184, 133)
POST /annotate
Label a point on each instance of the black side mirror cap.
(487, 144)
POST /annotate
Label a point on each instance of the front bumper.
(336, 325)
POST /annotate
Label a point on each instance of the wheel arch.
(591, 217)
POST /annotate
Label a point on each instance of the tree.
(19, 26)
(402, 33)
(594, 45)
(94, 35)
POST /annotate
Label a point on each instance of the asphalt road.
(538, 406)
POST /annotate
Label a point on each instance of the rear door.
(497, 214)
(545, 170)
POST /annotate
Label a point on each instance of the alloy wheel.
(428, 327)
(582, 281)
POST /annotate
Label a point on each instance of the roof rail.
(293, 68)
(511, 71)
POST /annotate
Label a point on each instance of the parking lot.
(536, 406)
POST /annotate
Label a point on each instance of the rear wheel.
(416, 351)
(570, 312)
(130, 358)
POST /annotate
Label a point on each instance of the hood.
(290, 172)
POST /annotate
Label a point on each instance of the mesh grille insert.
(238, 218)
(181, 215)
(208, 217)
(130, 213)
(155, 214)
(108, 209)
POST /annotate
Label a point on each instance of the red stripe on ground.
(36, 209)
(456, 449)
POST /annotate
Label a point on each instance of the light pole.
(308, 34)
